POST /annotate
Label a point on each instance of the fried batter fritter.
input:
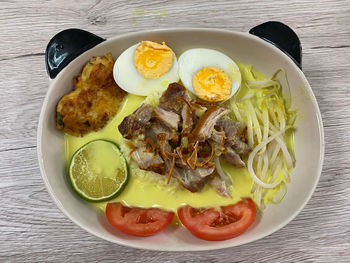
(94, 100)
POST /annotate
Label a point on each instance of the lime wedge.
(98, 171)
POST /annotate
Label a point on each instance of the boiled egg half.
(209, 74)
(146, 67)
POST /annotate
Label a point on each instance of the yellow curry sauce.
(144, 192)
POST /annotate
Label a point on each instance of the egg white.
(195, 59)
(129, 79)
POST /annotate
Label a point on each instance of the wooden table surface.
(32, 229)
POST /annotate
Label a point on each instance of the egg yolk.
(212, 84)
(153, 60)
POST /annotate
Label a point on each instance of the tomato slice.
(218, 223)
(138, 221)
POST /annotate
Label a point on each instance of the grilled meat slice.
(230, 127)
(144, 113)
(192, 180)
(187, 119)
(220, 186)
(130, 127)
(233, 158)
(146, 160)
(206, 123)
(169, 118)
(238, 145)
(169, 100)
(135, 124)
(156, 127)
(217, 138)
(204, 172)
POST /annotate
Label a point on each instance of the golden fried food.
(94, 100)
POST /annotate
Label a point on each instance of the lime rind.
(122, 184)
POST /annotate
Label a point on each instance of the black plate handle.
(282, 36)
(66, 46)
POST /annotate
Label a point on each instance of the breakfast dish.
(203, 140)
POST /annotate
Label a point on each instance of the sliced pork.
(134, 124)
(169, 118)
(207, 121)
(157, 127)
(170, 99)
(204, 172)
(232, 157)
(220, 186)
(144, 113)
(218, 137)
(238, 145)
(193, 180)
(230, 127)
(187, 119)
(146, 160)
(130, 127)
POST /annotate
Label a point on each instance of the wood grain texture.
(34, 230)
